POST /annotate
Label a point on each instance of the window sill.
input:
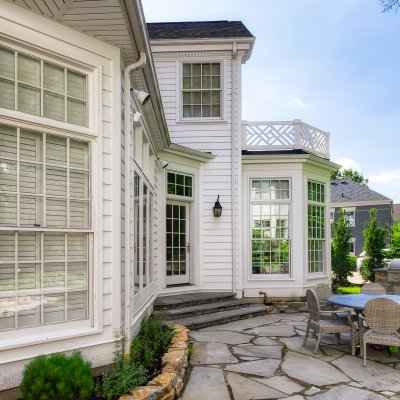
(32, 340)
(317, 276)
(271, 278)
(205, 121)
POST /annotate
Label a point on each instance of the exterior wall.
(45, 38)
(298, 169)
(383, 215)
(221, 137)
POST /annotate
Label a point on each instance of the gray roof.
(196, 30)
(344, 190)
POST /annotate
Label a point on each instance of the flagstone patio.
(263, 358)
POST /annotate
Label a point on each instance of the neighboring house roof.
(396, 211)
(345, 190)
(197, 30)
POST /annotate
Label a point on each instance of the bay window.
(270, 236)
(45, 228)
(316, 226)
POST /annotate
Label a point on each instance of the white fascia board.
(179, 150)
(350, 204)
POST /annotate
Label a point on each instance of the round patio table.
(358, 301)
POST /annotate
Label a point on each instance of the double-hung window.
(45, 196)
(201, 90)
(270, 236)
(316, 226)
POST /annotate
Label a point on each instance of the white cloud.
(348, 163)
(298, 102)
(386, 176)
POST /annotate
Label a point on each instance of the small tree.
(373, 245)
(340, 257)
(395, 240)
(350, 174)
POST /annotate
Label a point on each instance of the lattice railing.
(285, 135)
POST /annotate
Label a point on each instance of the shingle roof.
(345, 190)
(196, 30)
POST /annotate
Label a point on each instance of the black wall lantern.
(217, 208)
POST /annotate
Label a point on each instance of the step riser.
(167, 317)
(190, 303)
(224, 320)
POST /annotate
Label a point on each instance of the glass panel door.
(177, 243)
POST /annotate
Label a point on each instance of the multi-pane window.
(316, 226)
(35, 86)
(44, 228)
(351, 216)
(201, 90)
(179, 184)
(270, 239)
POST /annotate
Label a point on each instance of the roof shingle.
(197, 30)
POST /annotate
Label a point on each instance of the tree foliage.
(373, 245)
(350, 174)
(340, 257)
(390, 5)
(395, 240)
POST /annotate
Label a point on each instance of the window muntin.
(201, 90)
(270, 236)
(316, 226)
(37, 87)
(180, 185)
(44, 221)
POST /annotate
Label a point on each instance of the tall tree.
(373, 246)
(390, 5)
(395, 240)
(350, 174)
(340, 252)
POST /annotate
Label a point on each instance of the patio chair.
(333, 325)
(323, 291)
(372, 288)
(382, 322)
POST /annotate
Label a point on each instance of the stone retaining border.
(169, 383)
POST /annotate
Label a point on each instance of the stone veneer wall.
(168, 384)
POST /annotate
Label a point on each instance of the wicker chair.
(332, 325)
(372, 288)
(323, 291)
(382, 317)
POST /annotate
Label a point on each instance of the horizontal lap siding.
(216, 246)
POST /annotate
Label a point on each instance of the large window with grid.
(45, 234)
(270, 236)
(201, 90)
(34, 86)
(316, 226)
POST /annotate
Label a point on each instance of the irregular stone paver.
(312, 390)
(375, 376)
(282, 384)
(245, 389)
(293, 317)
(243, 324)
(296, 344)
(296, 397)
(311, 370)
(211, 353)
(245, 358)
(221, 337)
(264, 368)
(347, 392)
(273, 330)
(259, 351)
(215, 387)
(264, 341)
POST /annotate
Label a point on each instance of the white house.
(93, 223)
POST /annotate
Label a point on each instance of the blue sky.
(333, 64)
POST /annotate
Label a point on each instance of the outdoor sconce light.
(217, 208)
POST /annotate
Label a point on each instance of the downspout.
(233, 165)
(127, 130)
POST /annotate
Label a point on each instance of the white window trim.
(269, 277)
(179, 90)
(178, 197)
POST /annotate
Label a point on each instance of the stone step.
(163, 303)
(200, 309)
(221, 317)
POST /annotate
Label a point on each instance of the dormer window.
(201, 90)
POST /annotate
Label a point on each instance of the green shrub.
(353, 262)
(150, 344)
(57, 376)
(124, 375)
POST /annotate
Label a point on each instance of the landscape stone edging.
(169, 383)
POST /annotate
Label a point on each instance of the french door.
(177, 243)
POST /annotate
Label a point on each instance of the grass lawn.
(349, 289)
